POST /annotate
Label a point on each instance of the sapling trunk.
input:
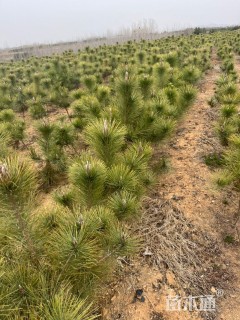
(26, 235)
(237, 214)
(69, 117)
(23, 115)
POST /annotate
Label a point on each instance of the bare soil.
(183, 227)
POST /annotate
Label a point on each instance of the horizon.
(109, 34)
(26, 23)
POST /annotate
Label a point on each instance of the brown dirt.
(189, 190)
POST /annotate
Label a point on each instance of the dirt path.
(189, 181)
(189, 187)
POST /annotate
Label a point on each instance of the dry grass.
(174, 243)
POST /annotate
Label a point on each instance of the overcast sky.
(40, 21)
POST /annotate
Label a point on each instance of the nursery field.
(120, 180)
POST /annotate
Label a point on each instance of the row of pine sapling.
(228, 127)
(92, 100)
(36, 83)
(56, 258)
